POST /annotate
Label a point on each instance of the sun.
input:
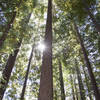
(41, 47)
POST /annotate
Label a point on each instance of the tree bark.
(46, 79)
(8, 27)
(81, 87)
(89, 67)
(88, 84)
(88, 87)
(61, 82)
(26, 76)
(7, 71)
(97, 26)
(73, 93)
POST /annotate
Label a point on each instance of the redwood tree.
(61, 82)
(46, 79)
(73, 93)
(88, 64)
(87, 84)
(81, 87)
(10, 63)
(7, 70)
(76, 91)
(26, 76)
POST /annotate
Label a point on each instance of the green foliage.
(66, 45)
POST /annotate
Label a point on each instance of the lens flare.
(41, 47)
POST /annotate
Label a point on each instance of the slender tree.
(10, 64)
(93, 81)
(27, 73)
(9, 26)
(87, 84)
(76, 92)
(7, 70)
(61, 81)
(73, 93)
(46, 79)
(81, 87)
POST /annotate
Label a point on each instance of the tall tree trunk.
(81, 87)
(9, 66)
(76, 92)
(93, 81)
(8, 27)
(7, 71)
(87, 84)
(26, 76)
(73, 93)
(97, 26)
(46, 79)
(61, 82)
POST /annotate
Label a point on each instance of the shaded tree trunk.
(81, 87)
(8, 27)
(73, 93)
(46, 79)
(97, 26)
(93, 81)
(26, 76)
(87, 79)
(7, 71)
(9, 66)
(87, 84)
(98, 45)
(61, 82)
(76, 92)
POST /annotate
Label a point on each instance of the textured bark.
(46, 79)
(61, 82)
(8, 27)
(26, 76)
(87, 84)
(97, 26)
(73, 93)
(88, 65)
(7, 71)
(81, 87)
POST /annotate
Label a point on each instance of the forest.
(49, 49)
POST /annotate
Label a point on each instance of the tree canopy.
(49, 50)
